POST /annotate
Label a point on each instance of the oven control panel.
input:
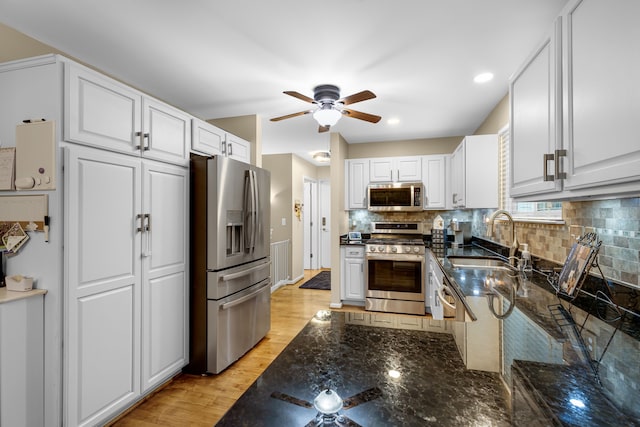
(396, 249)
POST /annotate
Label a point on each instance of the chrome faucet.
(514, 238)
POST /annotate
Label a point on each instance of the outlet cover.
(591, 343)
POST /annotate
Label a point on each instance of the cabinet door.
(395, 169)
(102, 284)
(381, 170)
(602, 93)
(357, 180)
(354, 275)
(458, 176)
(481, 171)
(206, 138)
(535, 103)
(167, 132)
(408, 169)
(238, 149)
(434, 177)
(164, 281)
(101, 112)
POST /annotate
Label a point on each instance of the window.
(523, 211)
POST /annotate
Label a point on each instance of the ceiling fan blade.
(288, 116)
(323, 128)
(362, 397)
(299, 96)
(357, 97)
(362, 116)
(291, 399)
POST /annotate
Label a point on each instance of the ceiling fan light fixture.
(322, 156)
(327, 116)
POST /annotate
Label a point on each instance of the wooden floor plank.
(193, 400)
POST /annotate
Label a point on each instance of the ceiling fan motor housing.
(326, 93)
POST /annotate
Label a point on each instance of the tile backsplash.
(616, 221)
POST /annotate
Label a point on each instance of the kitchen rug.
(321, 280)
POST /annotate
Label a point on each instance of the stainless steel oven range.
(395, 268)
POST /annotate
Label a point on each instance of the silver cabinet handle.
(230, 150)
(558, 154)
(545, 167)
(555, 156)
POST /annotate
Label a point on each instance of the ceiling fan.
(330, 107)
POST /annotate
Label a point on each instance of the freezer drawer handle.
(232, 276)
(245, 298)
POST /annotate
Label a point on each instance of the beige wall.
(246, 127)
(288, 172)
(339, 217)
(414, 147)
(16, 45)
(497, 118)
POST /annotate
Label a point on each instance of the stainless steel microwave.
(398, 196)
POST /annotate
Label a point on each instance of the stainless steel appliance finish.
(397, 196)
(230, 274)
(395, 268)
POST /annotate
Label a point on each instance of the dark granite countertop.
(434, 387)
(566, 395)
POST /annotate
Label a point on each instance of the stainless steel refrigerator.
(230, 310)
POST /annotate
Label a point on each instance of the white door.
(325, 223)
(102, 284)
(164, 285)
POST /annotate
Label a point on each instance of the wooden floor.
(201, 401)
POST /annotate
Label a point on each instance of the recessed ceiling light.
(393, 121)
(483, 78)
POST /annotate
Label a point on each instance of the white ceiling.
(230, 58)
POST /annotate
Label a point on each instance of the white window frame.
(522, 211)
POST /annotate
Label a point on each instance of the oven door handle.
(245, 298)
(246, 272)
(443, 299)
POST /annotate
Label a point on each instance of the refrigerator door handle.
(248, 190)
(255, 211)
(231, 276)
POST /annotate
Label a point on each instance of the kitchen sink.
(483, 263)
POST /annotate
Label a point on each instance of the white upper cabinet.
(167, 132)
(574, 113)
(211, 140)
(102, 112)
(237, 148)
(207, 138)
(434, 179)
(395, 169)
(535, 117)
(356, 182)
(602, 94)
(474, 172)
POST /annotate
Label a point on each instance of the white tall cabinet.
(115, 265)
(126, 249)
